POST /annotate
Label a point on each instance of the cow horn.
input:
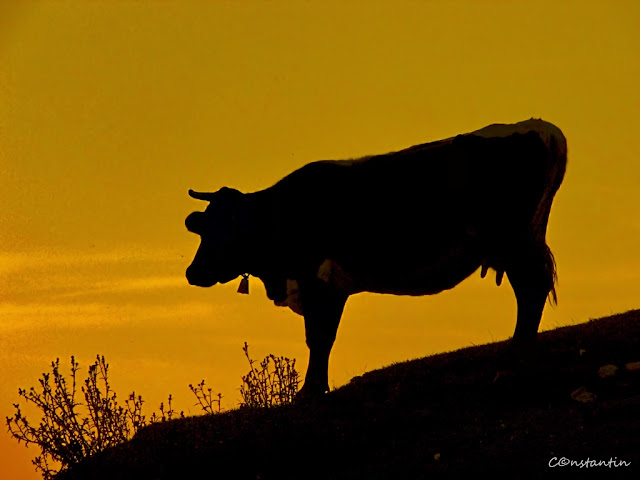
(207, 196)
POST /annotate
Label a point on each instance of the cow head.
(219, 258)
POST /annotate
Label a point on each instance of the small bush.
(70, 430)
(165, 415)
(206, 400)
(274, 383)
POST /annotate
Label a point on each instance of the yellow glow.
(111, 111)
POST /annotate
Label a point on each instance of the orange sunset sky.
(111, 111)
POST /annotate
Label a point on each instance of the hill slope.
(432, 417)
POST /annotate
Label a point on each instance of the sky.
(111, 111)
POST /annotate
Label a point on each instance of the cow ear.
(207, 196)
(195, 222)
(228, 190)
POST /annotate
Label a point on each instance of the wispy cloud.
(25, 317)
(43, 277)
(48, 259)
(38, 288)
(124, 285)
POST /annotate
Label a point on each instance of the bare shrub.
(274, 383)
(206, 399)
(165, 415)
(70, 430)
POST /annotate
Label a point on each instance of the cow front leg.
(322, 307)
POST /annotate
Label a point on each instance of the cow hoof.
(309, 393)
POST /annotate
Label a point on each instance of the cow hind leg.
(531, 273)
(532, 276)
(322, 307)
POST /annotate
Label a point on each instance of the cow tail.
(555, 174)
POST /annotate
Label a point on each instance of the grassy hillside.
(439, 416)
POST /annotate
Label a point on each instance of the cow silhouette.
(413, 222)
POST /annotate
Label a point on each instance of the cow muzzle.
(197, 279)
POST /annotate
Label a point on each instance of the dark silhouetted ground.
(440, 416)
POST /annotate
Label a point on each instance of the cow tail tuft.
(550, 268)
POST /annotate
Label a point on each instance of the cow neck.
(260, 224)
